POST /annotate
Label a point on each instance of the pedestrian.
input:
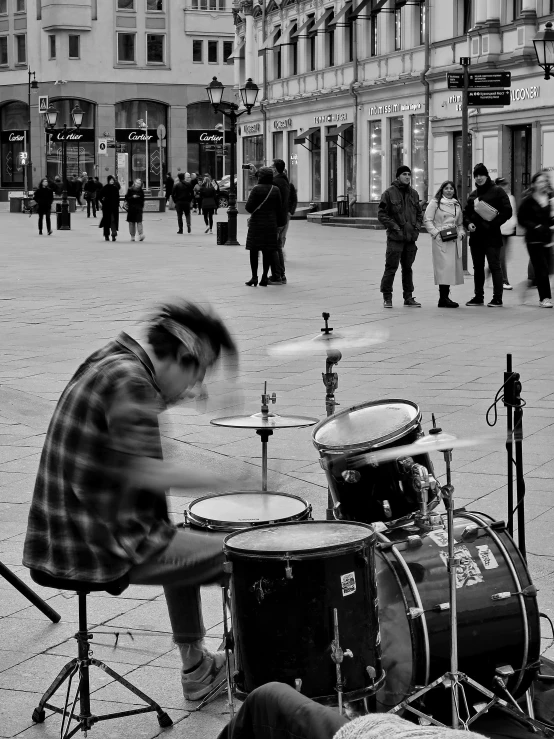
(90, 196)
(109, 196)
(169, 182)
(507, 230)
(79, 184)
(182, 196)
(98, 185)
(135, 202)
(194, 183)
(535, 215)
(58, 185)
(44, 197)
(487, 208)
(401, 214)
(267, 216)
(281, 181)
(444, 221)
(208, 203)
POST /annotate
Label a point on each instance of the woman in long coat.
(109, 197)
(266, 208)
(444, 211)
(43, 197)
(208, 202)
(135, 203)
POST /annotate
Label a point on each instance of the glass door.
(521, 160)
(331, 169)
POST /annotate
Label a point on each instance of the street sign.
(490, 79)
(479, 98)
(161, 131)
(465, 61)
(42, 103)
(103, 147)
(455, 80)
(23, 158)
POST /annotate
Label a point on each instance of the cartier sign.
(210, 138)
(132, 134)
(16, 136)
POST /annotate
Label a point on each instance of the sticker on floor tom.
(348, 583)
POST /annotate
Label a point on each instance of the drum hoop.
(370, 443)
(221, 525)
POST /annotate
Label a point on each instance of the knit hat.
(403, 169)
(390, 726)
(265, 172)
(480, 170)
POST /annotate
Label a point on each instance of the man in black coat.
(182, 195)
(169, 183)
(400, 212)
(488, 207)
(281, 180)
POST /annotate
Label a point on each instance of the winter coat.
(509, 228)
(208, 195)
(90, 190)
(400, 213)
(536, 219)
(293, 199)
(182, 192)
(44, 198)
(264, 222)
(447, 255)
(169, 183)
(135, 201)
(109, 195)
(282, 182)
(487, 233)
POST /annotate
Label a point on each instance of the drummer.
(99, 509)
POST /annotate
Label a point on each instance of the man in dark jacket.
(488, 207)
(400, 212)
(182, 195)
(281, 180)
(90, 196)
(169, 183)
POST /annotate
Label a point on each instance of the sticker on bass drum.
(348, 583)
(440, 538)
(467, 572)
(487, 557)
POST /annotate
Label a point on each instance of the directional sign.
(42, 103)
(490, 79)
(488, 97)
(103, 147)
(455, 80)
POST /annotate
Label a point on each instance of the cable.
(544, 615)
(498, 398)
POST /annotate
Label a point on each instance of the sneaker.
(387, 302)
(206, 231)
(188, 229)
(495, 303)
(179, 232)
(207, 675)
(275, 281)
(132, 238)
(141, 237)
(546, 303)
(284, 280)
(412, 303)
(507, 286)
(476, 301)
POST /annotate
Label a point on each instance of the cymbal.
(354, 337)
(269, 421)
(425, 445)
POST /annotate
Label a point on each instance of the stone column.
(250, 55)
(529, 7)
(493, 10)
(480, 12)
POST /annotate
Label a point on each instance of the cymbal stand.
(514, 406)
(264, 434)
(331, 382)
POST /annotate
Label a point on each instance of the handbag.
(486, 211)
(259, 206)
(449, 234)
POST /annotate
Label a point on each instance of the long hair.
(439, 193)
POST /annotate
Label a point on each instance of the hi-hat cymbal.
(354, 337)
(425, 445)
(261, 421)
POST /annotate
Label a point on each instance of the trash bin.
(222, 232)
(72, 203)
(343, 208)
(16, 204)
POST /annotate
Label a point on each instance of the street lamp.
(64, 218)
(544, 49)
(31, 85)
(248, 93)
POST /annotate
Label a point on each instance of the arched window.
(81, 153)
(14, 122)
(137, 123)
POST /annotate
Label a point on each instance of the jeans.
(404, 254)
(181, 208)
(282, 233)
(277, 711)
(541, 258)
(209, 217)
(91, 203)
(134, 227)
(492, 253)
(191, 559)
(278, 264)
(41, 215)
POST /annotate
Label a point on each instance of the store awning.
(306, 134)
(334, 133)
(302, 28)
(284, 37)
(376, 7)
(238, 52)
(340, 16)
(270, 40)
(320, 22)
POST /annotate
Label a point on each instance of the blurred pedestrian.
(208, 202)
(194, 183)
(487, 208)
(58, 184)
(281, 181)
(169, 182)
(135, 202)
(400, 212)
(44, 197)
(109, 196)
(182, 196)
(90, 196)
(267, 216)
(98, 185)
(507, 230)
(444, 221)
(535, 215)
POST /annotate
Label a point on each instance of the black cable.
(547, 617)
(498, 398)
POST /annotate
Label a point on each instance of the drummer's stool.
(83, 661)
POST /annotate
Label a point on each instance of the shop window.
(418, 152)
(349, 30)
(126, 47)
(332, 168)
(197, 51)
(293, 50)
(212, 52)
(135, 120)
(315, 156)
(312, 47)
(293, 158)
(330, 42)
(3, 50)
(20, 6)
(21, 49)
(278, 145)
(227, 51)
(277, 57)
(52, 47)
(398, 29)
(208, 143)
(457, 141)
(155, 48)
(252, 153)
(374, 37)
(375, 160)
(396, 144)
(348, 143)
(80, 154)
(125, 4)
(3, 7)
(154, 5)
(74, 47)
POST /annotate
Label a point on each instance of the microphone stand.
(514, 406)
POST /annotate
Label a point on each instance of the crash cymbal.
(425, 445)
(354, 337)
(264, 421)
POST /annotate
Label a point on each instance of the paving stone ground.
(61, 297)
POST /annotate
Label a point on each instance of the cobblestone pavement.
(63, 296)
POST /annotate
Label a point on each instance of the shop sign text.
(16, 137)
(211, 138)
(331, 118)
(251, 128)
(285, 123)
(525, 93)
(393, 108)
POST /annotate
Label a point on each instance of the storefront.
(14, 122)
(252, 154)
(80, 144)
(208, 141)
(140, 134)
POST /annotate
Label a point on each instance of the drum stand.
(331, 382)
(514, 406)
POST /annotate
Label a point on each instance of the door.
(457, 168)
(521, 160)
(331, 171)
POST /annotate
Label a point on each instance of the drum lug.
(288, 569)
(351, 476)
(470, 533)
(414, 541)
(298, 684)
(414, 613)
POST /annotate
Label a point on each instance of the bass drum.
(497, 625)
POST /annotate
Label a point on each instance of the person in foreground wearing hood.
(267, 217)
(400, 213)
(487, 208)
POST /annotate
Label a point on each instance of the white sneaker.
(507, 286)
(546, 303)
(132, 238)
(208, 674)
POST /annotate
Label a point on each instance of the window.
(155, 48)
(349, 30)
(20, 6)
(3, 7)
(398, 29)
(212, 52)
(154, 5)
(330, 42)
(3, 50)
(418, 152)
(396, 144)
(74, 47)
(277, 57)
(125, 47)
(316, 165)
(465, 16)
(227, 51)
(312, 46)
(293, 53)
(125, 4)
(375, 160)
(52, 47)
(20, 49)
(517, 8)
(197, 51)
(373, 24)
(422, 20)
(222, 4)
(278, 145)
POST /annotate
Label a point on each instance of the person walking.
(535, 215)
(507, 230)
(487, 208)
(135, 202)
(267, 216)
(109, 196)
(208, 202)
(44, 197)
(98, 185)
(281, 181)
(182, 195)
(444, 221)
(193, 184)
(401, 214)
(90, 196)
(169, 182)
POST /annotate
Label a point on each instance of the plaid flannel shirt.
(86, 522)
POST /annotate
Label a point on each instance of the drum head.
(372, 424)
(244, 509)
(305, 539)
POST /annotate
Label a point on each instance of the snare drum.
(287, 580)
(496, 625)
(242, 510)
(367, 492)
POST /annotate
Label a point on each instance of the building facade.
(138, 69)
(351, 89)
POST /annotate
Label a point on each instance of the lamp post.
(64, 218)
(248, 93)
(544, 49)
(32, 85)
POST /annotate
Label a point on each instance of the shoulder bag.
(260, 205)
